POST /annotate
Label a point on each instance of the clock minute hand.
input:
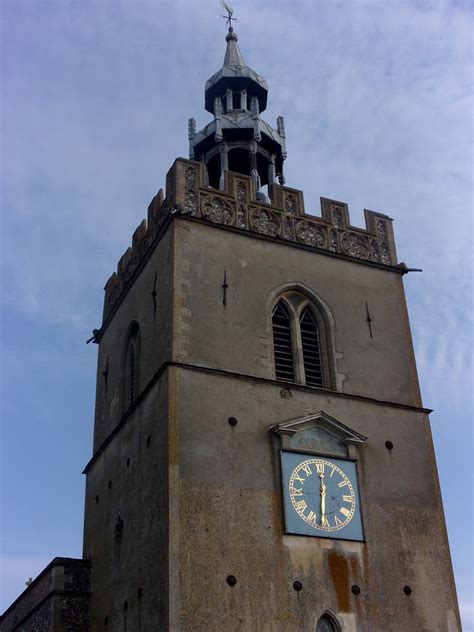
(322, 489)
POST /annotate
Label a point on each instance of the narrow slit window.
(283, 344)
(131, 366)
(311, 349)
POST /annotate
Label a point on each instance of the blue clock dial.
(321, 496)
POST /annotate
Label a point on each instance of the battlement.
(284, 217)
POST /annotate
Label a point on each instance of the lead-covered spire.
(233, 56)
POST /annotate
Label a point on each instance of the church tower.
(262, 460)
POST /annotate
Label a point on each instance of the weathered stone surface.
(202, 500)
(56, 601)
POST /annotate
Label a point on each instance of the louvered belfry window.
(311, 349)
(283, 343)
(298, 339)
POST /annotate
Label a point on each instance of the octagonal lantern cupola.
(238, 139)
(235, 83)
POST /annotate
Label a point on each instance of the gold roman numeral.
(320, 468)
(344, 483)
(312, 517)
(324, 522)
(347, 499)
(337, 522)
(296, 492)
(298, 478)
(307, 469)
(301, 505)
(345, 512)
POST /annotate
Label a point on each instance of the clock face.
(321, 496)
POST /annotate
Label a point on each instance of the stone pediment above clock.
(319, 433)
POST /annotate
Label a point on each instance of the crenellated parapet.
(142, 240)
(284, 217)
(236, 206)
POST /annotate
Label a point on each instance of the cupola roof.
(235, 75)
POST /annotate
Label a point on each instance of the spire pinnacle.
(233, 56)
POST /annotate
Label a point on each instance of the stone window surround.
(332, 379)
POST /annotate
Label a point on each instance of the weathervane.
(228, 17)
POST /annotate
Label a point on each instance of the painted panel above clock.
(321, 496)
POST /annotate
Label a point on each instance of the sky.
(95, 98)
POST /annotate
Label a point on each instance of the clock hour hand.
(322, 490)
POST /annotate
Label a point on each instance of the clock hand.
(323, 499)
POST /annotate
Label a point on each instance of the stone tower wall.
(177, 499)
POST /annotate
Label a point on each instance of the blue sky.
(95, 99)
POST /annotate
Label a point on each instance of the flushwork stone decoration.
(311, 234)
(337, 215)
(354, 245)
(291, 205)
(265, 222)
(218, 211)
(187, 193)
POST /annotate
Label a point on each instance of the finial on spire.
(228, 17)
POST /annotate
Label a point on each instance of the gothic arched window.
(300, 342)
(327, 624)
(131, 364)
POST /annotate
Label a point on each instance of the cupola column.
(271, 170)
(228, 100)
(243, 100)
(255, 110)
(218, 119)
(224, 165)
(253, 164)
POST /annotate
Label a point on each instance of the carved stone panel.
(337, 216)
(242, 191)
(353, 245)
(382, 235)
(311, 234)
(288, 228)
(241, 216)
(217, 210)
(375, 250)
(190, 203)
(190, 178)
(333, 240)
(291, 204)
(381, 230)
(384, 253)
(265, 222)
